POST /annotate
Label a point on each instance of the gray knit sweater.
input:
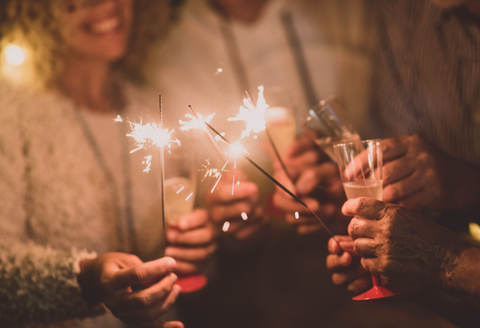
(68, 189)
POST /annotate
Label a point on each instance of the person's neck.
(88, 83)
(245, 11)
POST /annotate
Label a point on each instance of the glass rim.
(342, 144)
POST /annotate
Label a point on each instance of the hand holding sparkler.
(111, 279)
(241, 208)
(306, 166)
(191, 242)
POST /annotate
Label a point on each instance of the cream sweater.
(59, 203)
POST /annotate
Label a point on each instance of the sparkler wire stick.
(272, 143)
(251, 161)
(162, 176)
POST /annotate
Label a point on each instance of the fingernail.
(173, 278)
(172, 264)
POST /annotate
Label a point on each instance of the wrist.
(86, 281)
(449, 265)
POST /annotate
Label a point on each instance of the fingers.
(130, 302)
(340, 244)
(316, 176)
(362, 228)
(246, 191)
(194, 220)
(337, 262)
(397, 170)
(199, 236)
(365, 207)
(403, 189)
(394, 147)
(125, 278)
(302, 144)
(189, 254)
(150, 316)
(365, 247)
(361, 284)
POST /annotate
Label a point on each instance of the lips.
(104, 26)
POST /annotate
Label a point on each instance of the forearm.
(461, 273)
(39, 285)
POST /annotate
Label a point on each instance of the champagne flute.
(360, 164)
(180, 188)
(328, 125)
(280, 119)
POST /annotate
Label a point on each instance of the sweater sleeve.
(37, 284)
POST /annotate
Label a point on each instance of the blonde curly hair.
(34, 25)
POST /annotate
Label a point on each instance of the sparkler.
(198, 122)
(258, 167)
(254, 117)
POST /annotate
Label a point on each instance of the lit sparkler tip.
(297, 215)
(253, 115)
(244, 216)
(225, 226)
(197, 121)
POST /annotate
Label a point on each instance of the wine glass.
(360, 164)
(280, 119)
(180, 188)
(328, 125)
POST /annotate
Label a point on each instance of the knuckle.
(142, 301)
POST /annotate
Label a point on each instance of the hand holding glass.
(360, 164)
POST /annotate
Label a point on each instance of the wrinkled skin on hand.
(191, 242)
(317, 183)
(419, 177)
(223, 206)
(400, 244)
(111, 279)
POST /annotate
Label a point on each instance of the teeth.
(105, 26)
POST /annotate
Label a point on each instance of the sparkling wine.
(281, 126)
(327, 143)
(364, 188)
(179, 198)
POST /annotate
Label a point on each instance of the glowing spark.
(148, 162)
(244, 216)
(179, 190)
(213, 172)
(188, 197)
(151, 134)
(218, 71)
(236, 150)
(253, 115)
(233, 184)
(118, 119)
(195, 123)
(297, 215)
(225, 227)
